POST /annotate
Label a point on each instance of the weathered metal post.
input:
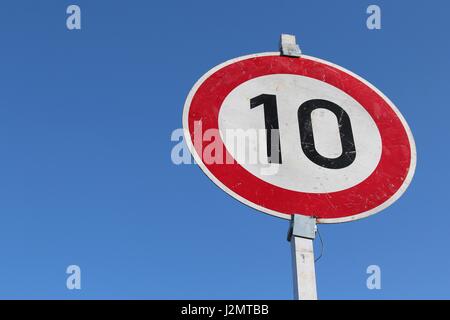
(301, 234)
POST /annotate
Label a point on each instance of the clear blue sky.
(85, 171)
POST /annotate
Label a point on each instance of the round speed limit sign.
(289, 135)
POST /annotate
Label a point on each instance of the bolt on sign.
(338, 149)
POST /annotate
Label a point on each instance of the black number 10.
(348, 154)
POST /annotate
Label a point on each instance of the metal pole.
(301, 234)
(289, 46)
(302, 230)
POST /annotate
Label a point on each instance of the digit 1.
(271, 123)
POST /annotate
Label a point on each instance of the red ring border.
(379, 187)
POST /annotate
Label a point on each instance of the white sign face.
(297, 172)
(312, 138)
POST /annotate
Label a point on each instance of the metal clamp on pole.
(289, 46)
(302, 232)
